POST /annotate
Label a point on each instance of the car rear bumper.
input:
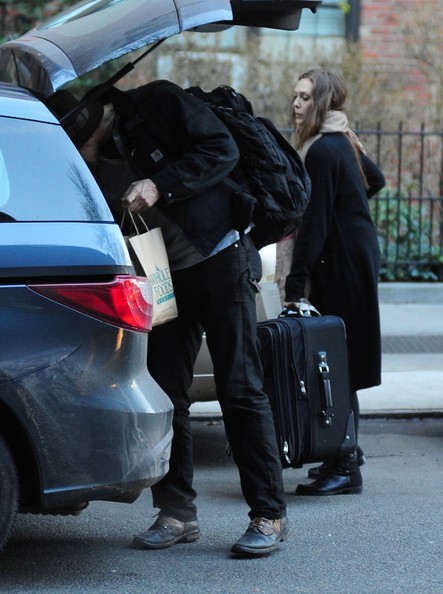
(98, 424)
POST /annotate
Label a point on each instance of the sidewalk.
(412, 364)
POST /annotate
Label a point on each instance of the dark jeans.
(216, 297)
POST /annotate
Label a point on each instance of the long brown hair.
(329, 93)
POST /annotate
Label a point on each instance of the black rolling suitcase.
(306, 377)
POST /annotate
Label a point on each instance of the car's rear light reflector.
(125, 302)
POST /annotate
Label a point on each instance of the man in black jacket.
(180, 187)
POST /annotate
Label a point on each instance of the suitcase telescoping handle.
(323, 368)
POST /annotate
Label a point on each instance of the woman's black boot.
(344, 478)
(327, 466)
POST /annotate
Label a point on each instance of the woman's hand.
(292, 305)
(300, 308)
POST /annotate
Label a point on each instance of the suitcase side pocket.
(279, 385)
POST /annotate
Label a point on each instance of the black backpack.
(272, 187)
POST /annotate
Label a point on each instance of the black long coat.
(337, 254)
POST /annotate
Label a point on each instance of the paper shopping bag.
(149, 247)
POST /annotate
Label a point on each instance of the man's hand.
(140, 195)
(90, 150)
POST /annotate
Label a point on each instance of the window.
(328, 22)
(4, 181)
(331, 23)
(43, 177)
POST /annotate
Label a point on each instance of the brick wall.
(383, 40)
(380, 30)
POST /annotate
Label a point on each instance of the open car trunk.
(94, 32)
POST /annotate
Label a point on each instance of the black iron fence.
(408, 213)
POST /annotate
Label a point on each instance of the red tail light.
(125, 302)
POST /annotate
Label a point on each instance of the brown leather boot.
(261, 537)
(165, 532)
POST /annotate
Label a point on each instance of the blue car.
(81, 419)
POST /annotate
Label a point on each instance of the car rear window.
(43, 177)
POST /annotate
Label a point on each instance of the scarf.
(336, 121)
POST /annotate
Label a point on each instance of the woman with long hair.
(336, 257)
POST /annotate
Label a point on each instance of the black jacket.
(337, 251)
(177, 141)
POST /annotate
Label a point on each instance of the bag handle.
(134, 224)
(323, 369)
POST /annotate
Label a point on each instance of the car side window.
(43, 177)
(4, 182)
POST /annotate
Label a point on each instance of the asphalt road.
(387, 540)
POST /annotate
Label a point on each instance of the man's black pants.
(217, 297)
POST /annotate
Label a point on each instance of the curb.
(412, 293)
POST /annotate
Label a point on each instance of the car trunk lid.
(94, 32)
